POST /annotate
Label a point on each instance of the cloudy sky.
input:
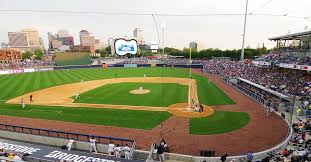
(214, 31)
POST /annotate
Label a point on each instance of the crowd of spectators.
(27, 64)
(285, 56)
(169, 61)
(286, 81)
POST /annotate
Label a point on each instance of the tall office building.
(33, 38)
(193, 45)
(18, 40)
(63, 33)
(61, 40)
(110, 41)
(138, 35)
(86, 39)
(196, 46)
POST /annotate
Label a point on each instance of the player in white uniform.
(69, 145)
(77, 96)
(111, 146)
(117, 151)
(127, 151)
(23, 103)
(93, 145)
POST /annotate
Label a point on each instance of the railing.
(132, 150)
(149, 158)
(65, 135)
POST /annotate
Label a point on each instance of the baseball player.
(69, 145)
(23, 103)
(30, 98)
(127, 151)
(117, 151)
(93, 145)
(111, 146)
(77, 96)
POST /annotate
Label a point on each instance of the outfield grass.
(110, 117)
(219, 122)
(118, 94)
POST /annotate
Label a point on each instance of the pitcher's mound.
(181, 110)
(139, 91)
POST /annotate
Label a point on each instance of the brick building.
(10, 56)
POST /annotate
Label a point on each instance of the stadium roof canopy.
(295, 36)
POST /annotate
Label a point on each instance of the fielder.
(23, 103)
(127, 151)
(77, 96)
(30, 98)
(93, 145)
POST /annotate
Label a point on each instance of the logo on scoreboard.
(123, 46)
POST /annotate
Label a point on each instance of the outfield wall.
(28, 70)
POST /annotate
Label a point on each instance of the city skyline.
(222, 32)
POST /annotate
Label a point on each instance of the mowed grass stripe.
(14, 86)
(219, 122)
(118, 94)
(5, 87)
(111, 117)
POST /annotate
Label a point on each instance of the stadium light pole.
(163, 27)
(245, 18)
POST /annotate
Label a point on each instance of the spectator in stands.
(223, 158)
(285, 152)
(249, 156)
(164, 145)
(160, 152)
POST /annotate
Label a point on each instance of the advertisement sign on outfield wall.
(18, 70)
(2, 72)
(29, 70)
(43, 69)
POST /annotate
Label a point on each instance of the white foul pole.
(245, 18)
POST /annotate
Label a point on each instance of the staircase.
(140, 156)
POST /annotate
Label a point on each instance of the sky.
(212, 31)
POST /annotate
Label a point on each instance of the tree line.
(234, 54)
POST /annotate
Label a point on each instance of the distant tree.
(97, 51)
(39, 54)
(108, 50)
(27, 55)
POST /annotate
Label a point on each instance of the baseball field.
(144, 104)
(161, 95)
